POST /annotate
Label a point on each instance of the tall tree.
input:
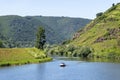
(41, 38)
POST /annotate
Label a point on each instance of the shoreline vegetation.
(84, 52)
(20, 56)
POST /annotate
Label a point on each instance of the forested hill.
(102, 34)
(17, 31)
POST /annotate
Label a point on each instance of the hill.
(17, 31)
(102, 34)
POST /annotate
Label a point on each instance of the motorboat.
(62, 65)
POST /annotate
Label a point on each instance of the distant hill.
(102, 34)
(17, 31)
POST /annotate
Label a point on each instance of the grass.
(18, 56)
(109, 47)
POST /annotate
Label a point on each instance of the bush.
(85, 51)
(112, 55)
(118, 42)
(102, 17)
(70, 48)
(99, 14)
(70, 51)
(74, 54)
(82, 52)
(66, 42)
(1, 44)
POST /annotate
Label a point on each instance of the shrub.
(118, 42)
(99, 14)
(66, 42)
(85, 51)
(102, 17)
(70, 48)
(112, 55)
(1, 44)
(74, 55)
(113, 4)
(70, 51)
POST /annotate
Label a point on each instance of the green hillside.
(64, 27)
(102, 34)
(17, 31)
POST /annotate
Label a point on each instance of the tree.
(113, 4)
(99, 14)
(41, 38)
(1, 44)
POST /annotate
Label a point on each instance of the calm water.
(75, 70)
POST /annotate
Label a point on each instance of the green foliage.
(19, 31)
(70, 48)
(113, 4)
(111, 55)
(41, 38)
(66, 42)
(70, 51)
(102, 17)
(99, 14)
(85, 51)
(118, 42)
(1, 44)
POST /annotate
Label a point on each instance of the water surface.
(75, 70)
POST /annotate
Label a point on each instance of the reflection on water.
(40, 71)
(89, 59)
(75, 70)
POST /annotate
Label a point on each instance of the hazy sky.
(69, 8)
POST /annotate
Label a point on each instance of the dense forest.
(17, 31)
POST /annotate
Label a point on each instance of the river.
(75, 70)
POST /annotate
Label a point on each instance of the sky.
(67, 8)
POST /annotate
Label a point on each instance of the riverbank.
(20, 56)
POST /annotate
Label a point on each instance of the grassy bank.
(19, 56)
